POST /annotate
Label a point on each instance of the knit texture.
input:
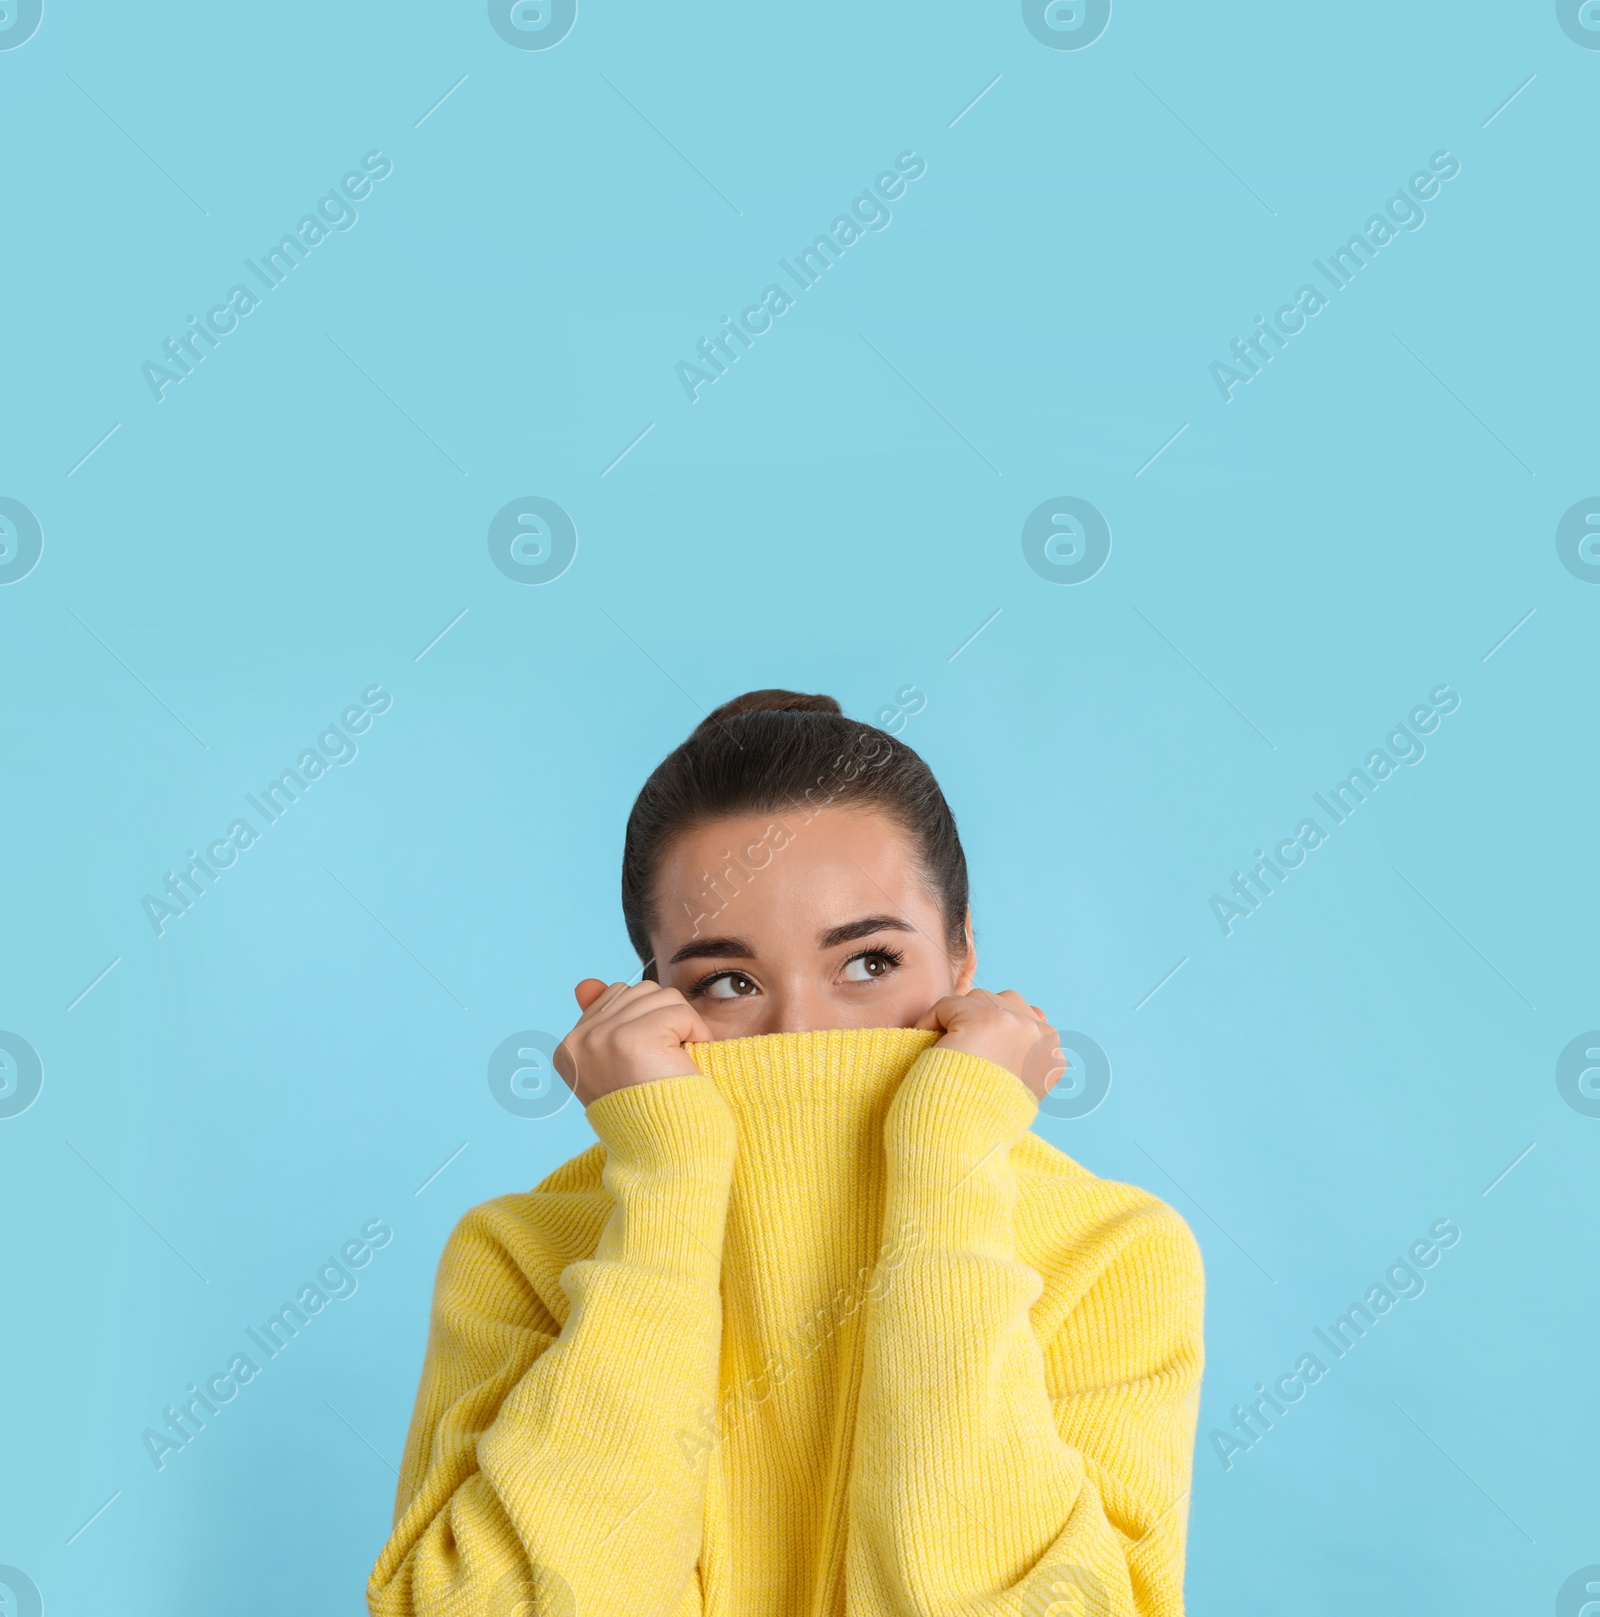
(822, 1331)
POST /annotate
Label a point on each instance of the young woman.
(818, 1327)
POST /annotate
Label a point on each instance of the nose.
(799, 1007)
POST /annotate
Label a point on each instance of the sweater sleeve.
(1019, 1449)
(546, 1468)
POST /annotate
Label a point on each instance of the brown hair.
(771, 751)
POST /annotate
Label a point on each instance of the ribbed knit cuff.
(670, 1149)
(947, 1138)
(959, 1102)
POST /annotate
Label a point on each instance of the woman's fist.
(1002, 1028)
(628, 1034)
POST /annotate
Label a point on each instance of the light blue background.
(301, 517)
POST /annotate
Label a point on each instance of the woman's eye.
(730, 985)
(865, 968)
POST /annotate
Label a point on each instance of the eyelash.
(893, 956)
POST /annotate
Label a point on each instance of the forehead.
(782, 872)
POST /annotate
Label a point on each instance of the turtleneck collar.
(808, 1109)
(805, 1210)
(804, 1247)
(816, 1089)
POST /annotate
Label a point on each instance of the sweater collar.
(807, 1197)
(813, 1092)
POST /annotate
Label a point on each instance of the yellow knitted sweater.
(822, 1331)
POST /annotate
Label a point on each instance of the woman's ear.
(968, 971)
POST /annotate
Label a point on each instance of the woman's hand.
(628, 1034)
(1002, 1028)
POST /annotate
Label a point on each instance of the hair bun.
(770, 701)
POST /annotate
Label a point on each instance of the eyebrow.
(730, 948)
